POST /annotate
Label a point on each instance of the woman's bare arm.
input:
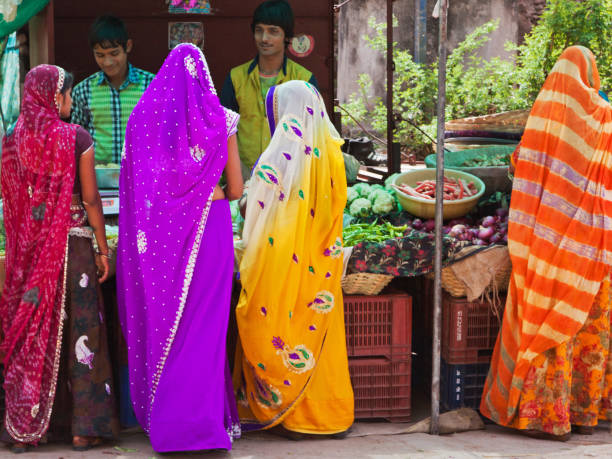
(93, 206)
(233, 174)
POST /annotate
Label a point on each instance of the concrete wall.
(355, 57)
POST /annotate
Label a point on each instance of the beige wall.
(355, 57)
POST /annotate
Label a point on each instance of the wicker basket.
(365, 283)
(456, 287)
(512, 121)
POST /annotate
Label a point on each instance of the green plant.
(474, 86)
(477, 86)
(564, 23)
(414, 86)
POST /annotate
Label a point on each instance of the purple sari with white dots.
(175, 258)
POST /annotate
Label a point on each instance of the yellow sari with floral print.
(293, 367)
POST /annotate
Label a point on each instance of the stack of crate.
(469, 332)
(378, 341)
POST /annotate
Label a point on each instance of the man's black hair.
(68, 82)
(274, 12)
(108, 32)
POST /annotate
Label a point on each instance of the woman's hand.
(242, 205)
(102, 264)
(218, 193)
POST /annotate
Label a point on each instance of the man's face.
(112, 61)
(269, 39)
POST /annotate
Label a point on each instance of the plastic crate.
(382, 388)
(469, 330)
(462, 385)
(379, 325)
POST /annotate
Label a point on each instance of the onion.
(458, 221)
(474, 232)
(496, 238)
(456, 230)
(488, 221)
(505, 238)
(417, 224)
(485, 233)
(429, 225)
(464, 236)
(502, 230)
(501, 212)
(480, 242)
(446, 230)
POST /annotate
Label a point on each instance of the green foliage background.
(478, 86)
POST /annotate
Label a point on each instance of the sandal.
(342, 435)
(85, 443)
(18, 448)
(583, 430)
(532, 433)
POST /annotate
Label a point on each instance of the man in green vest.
(246, 86)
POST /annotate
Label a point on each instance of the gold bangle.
(106, 255)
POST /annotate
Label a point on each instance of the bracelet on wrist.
(106, 255)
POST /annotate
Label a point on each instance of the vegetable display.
(492, 229)
(500, 159)
(372, 232)
(454, 188)
(112, 232)
(363, 200)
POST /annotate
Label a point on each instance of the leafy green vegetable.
(501, 159)
(362, 188)
(374, 189)
(351, 195)
(360, 207)
(384, 203)
(351, 167)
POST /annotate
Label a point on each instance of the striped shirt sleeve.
(81, 113)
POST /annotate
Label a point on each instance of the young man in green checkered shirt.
(102, 103)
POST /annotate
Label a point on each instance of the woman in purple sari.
(175, 256)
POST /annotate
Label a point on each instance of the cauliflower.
(360, 207)
(362, 188)
(374, 189)
(383, 203)
(351, 195)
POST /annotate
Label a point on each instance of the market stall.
(388, 281)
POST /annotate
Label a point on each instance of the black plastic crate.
(461, 385)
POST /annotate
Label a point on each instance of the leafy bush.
(478, 86)
(564, 23)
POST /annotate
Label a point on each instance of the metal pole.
(390, 67)
(420, 31)
(437, 309)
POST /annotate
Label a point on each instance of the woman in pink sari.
(175, 257)
(54, 338)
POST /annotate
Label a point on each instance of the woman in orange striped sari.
(549, 368)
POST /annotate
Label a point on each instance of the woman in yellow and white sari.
(293, 367)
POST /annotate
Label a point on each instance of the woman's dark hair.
(68, 82)
(108, 32)
(275, 12)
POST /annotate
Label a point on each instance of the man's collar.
(132, 77)
(255, 62)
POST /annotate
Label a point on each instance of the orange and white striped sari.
(560, 226)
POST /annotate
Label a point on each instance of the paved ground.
(494, 442)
